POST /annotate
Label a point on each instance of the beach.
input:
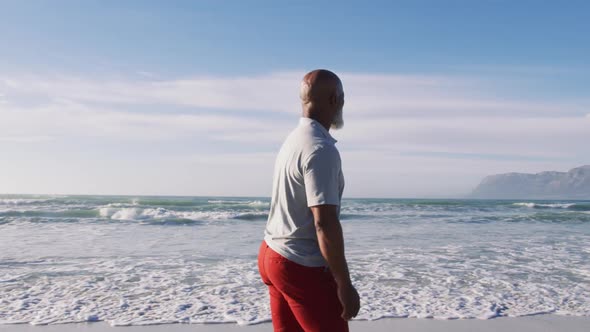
(540, 323)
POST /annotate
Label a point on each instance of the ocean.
(136, 260)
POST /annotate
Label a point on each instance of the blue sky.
(195, 97)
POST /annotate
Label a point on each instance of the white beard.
(338, 121)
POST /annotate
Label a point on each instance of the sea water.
(152, 260)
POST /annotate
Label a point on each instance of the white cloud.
(77, 120)
(410, 95)
(426, 135)
(559, 137)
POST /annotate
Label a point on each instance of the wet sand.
(538, 323)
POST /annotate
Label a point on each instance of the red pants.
(301, 298)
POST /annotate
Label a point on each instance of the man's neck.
(326, 124)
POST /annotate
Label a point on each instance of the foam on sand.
(392, 283)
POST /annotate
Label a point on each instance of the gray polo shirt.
(307, 173)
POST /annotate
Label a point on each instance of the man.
(302, 256)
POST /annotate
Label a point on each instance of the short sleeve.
(321, 174)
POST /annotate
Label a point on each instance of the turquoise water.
(148, 260)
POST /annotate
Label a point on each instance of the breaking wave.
(570, 206)
(155, 214)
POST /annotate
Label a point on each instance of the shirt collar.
(316, 124)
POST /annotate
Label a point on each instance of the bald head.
(322, 98)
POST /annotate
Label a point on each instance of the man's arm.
(331, 242)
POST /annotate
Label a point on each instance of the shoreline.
(542, 322)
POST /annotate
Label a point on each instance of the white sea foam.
(545, 205)
(413, 283)
(445, 261)
(138, 292)
(21, 201)
(392, 283)
(134, 213)
(238, 202)
(258, 203)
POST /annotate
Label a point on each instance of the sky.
(196, 97)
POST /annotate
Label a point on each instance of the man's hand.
(331, 244)
(350, 300)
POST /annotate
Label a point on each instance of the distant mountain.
(574, 184)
